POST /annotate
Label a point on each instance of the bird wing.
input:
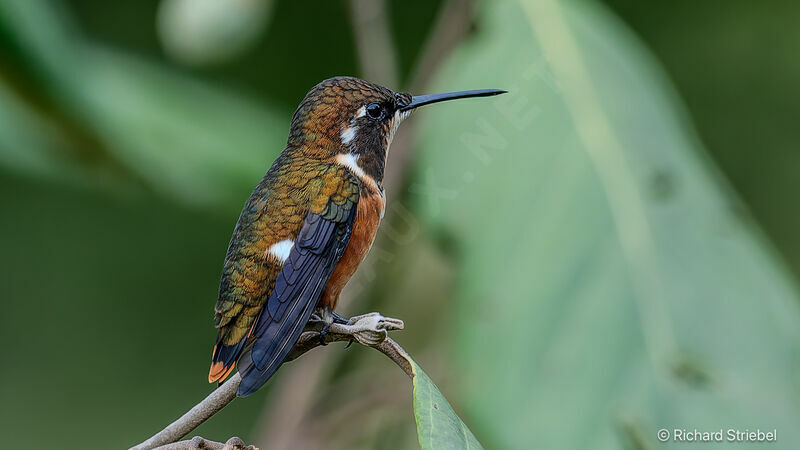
(249, 273)
(319, 246)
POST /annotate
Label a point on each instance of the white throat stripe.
(350, 161)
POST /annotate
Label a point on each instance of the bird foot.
(338, 318)
(198, 442)
(368, 329)
(324, 332)
(322, 322)
(315, 323)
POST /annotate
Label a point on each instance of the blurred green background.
(608, 250)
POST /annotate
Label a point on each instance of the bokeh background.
(608, 250)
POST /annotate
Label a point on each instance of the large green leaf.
(610, 284)
(438, 426)
(198, 143)
(188, 140)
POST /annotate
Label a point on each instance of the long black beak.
(421, 100)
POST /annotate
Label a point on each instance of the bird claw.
(324, 332)
(233, 443)
(369, 329)
(338, 318)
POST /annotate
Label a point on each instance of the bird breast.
(368, 217)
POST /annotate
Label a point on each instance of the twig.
(452, 25)
(197, 442)
(370, 330)
(373, 38)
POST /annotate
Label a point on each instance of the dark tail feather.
(223, 360)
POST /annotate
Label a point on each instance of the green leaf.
(188, 140)
(610, 284)
(438, 426)
(196, 143)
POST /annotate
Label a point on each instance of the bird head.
(355, 119)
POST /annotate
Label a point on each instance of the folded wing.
(318, 247)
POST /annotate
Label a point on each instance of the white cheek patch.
(348, 134)
(350, 161)
(282, 249)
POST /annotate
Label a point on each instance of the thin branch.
(197, 442)
(373, 39)
(453, 23)
(370, 330)
(451, 27)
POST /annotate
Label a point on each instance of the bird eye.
(374, 111)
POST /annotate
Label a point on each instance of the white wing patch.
(282, 249)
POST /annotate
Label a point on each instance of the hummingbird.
(308, 224)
